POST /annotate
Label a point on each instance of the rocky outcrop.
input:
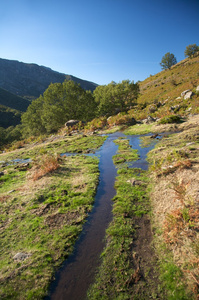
(187, 94)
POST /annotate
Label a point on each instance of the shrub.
(45, 165)
(170, 119)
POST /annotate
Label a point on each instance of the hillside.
(165, 88)
(11, 107)
(13, 101)
(31, 80)
(9, 117)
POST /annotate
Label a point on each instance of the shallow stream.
(78, 272)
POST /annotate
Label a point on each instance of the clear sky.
(98, 40)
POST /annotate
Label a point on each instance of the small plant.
(46, 164)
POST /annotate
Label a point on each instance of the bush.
(45, 165)
(170, 119)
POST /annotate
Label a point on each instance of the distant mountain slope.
(31, 80)
(13, 101)
(9, 117)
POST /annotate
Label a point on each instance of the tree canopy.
(168, 60)
(116, 97)
(59, 103)
(64, 101)
(191, 50)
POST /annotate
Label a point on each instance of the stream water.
(78, 272)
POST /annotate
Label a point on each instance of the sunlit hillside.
(166, 88)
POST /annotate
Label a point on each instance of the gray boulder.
(187, 94)
(184, 93)
(71, 123)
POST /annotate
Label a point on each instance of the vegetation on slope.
(13, 101)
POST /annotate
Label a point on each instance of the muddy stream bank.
(78, 272)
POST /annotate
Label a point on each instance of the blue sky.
(98, 40)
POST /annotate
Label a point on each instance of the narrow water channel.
(78, 272)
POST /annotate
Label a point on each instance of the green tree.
(116, 97)
(168, 60)
(31, 119)
(59, 103)
(191, 50)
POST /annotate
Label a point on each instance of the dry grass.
(46, 164)
(79, 182)
(4, 198)
(175, 200)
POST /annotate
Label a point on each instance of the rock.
(20, 256)
(175, 107)
(71, 123)
(154, 136)
(188, 95)
(11, 191)
(148, 120)
(184, 93)
(189, 109)
(152, 109)
(133, 182)
(197, 89)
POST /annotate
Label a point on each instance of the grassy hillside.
(161, 91)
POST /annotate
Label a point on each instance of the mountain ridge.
(30, 80)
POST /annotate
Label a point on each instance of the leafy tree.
(168, 60)
(116, 97)
(191, 50)
(31, 119)
(59, 103)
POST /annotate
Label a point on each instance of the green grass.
(125, 152)
(118, 274)
(138, 129)
(43, 218)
